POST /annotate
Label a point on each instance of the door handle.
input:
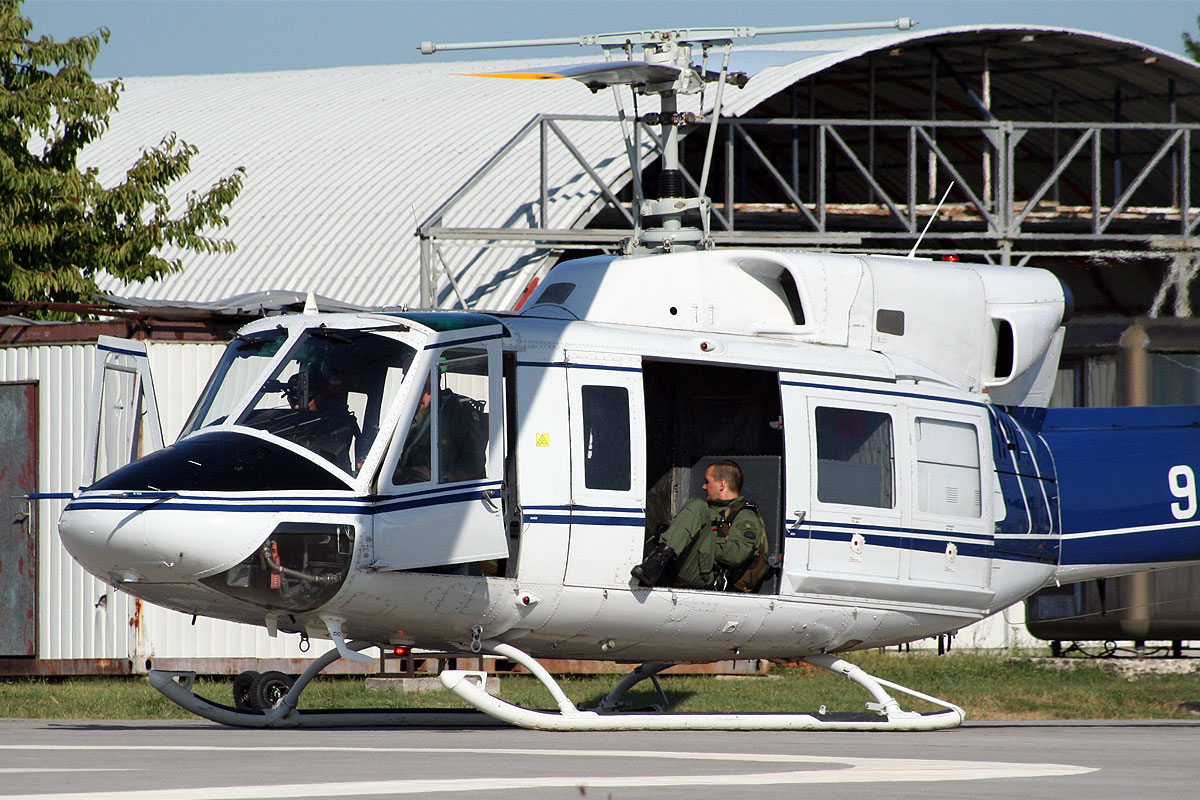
(489, 499)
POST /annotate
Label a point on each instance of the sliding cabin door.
(845, 473)
(608, 483)
(888, 496)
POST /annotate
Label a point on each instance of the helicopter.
(487, 482)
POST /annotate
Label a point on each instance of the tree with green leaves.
(1191, 45)
(60, 228)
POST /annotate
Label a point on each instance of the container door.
(122, 423)
(18, 536)
(608, 458)
(445, 476)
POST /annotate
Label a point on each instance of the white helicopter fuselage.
(861, 393)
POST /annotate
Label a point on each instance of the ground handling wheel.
(241, 690)
(268, 689)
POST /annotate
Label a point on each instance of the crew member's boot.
(649, 571)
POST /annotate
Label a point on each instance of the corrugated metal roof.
(341, 167)
(344, 164)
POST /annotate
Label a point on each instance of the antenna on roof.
(310, 304)
(665, 69)
(912, 253)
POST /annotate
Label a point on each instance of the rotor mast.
(666, 70)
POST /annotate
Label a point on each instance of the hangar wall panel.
(80, 617)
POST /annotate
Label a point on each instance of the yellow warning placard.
(543, 440)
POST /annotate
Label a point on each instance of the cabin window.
(854, 457)
(453, 412)
(606, 451)
(555, 294)
(948, 468)
(889, 321)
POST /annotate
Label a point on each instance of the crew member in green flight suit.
(707, 537)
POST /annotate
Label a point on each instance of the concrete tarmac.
(195, 760)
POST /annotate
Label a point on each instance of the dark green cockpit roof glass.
(442, 321)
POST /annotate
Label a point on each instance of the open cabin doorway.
(700, 413)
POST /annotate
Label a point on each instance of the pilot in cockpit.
(462, 439)
(333, 429)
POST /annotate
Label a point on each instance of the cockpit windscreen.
(329, 394)
(243, 362)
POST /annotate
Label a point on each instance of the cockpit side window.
(329, 394)
(242, 362)
(453, 412)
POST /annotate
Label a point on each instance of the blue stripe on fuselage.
(265, 504)
(915, 539)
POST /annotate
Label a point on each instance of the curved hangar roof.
(343, 164)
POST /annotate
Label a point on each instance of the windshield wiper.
(260, 340)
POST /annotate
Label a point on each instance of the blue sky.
(180, 37)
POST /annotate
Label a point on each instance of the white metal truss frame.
(997, 221)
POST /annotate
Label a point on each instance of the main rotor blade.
(597, 75)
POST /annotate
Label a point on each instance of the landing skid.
(885, 712)
(177, 686)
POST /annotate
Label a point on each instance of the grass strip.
(987, 686)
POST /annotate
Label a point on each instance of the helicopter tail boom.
(1127, 487)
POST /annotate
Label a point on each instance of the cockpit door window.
(453, 411)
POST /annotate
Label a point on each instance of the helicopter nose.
(172, 515)
(109, 542)
(153, 537)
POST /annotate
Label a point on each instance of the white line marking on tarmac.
(847, 769)
(21, 770)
